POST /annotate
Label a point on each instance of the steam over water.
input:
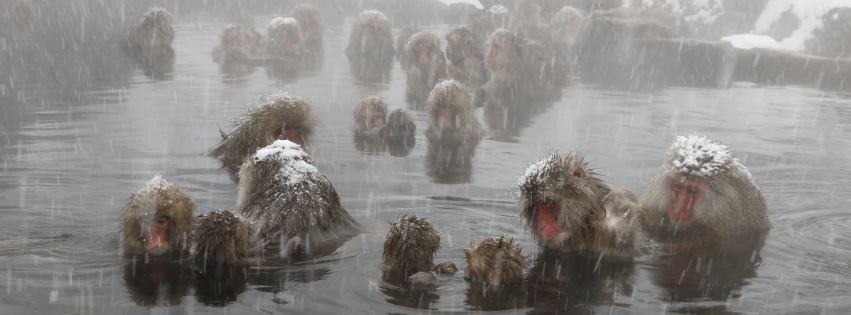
(82, 126)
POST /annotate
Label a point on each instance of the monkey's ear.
(578, 172)
(467, 253)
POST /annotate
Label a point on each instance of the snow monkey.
(221, 239)
(703, 194)
(370, 48)
(568, 208)
(404, 36)
(466, 62)
(291, 204)
(153, 30)
(157, 220)
(282, 116)
(370, 116)
(284, 39)
(399, 133)
(494, 263)
(451, 120)
(409, 248)
(425, 66)
(237, 44)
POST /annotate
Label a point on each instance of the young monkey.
(157, 220)
(409, 250)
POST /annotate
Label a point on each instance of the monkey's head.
(236, 40)
(372, 29)
(449, 106)
(284, 36)
(502, 49)
(292, 118)
(399, 133)
(157, 25)
(703, 189)
(423, 49)
(221, 239)
(307, 17)
(566, 25)
(560, 199)
(370, 113)
(409, 248)
(157, 220)
(495, 261)
(461, 43)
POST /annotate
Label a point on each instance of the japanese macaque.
(157, 220)
(293, 207)
(453, 133)
(494, 263)
(451, 120)
(22, 15)
(221, 239)
(564, 30)
(426, 66)
(370, 117)
(702, 196)
(370, 48)
(312, 31)
(466, 62)
(275, 117)
(239, 44)
(153, 30)
(520, 71)
(409, 249)
(284, 39)
(149, 43)
(569, 209)
(399, 133)
(401, 41)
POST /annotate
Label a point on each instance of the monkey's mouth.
(157, 240)
(546, 221)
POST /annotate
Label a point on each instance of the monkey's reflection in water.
(281, 280)
(706, 275)
(157, 283)
(222, 288)
(562, 282)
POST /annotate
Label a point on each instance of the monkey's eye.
(162, 220)
(692, 190)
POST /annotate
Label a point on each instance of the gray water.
(75, 142)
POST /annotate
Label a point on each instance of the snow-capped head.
(282, 22)
(697, 156)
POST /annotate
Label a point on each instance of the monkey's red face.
(378, 121)
(446, 116)
(424, 54)
(686, 194)
(157, 235)
(495, 52)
